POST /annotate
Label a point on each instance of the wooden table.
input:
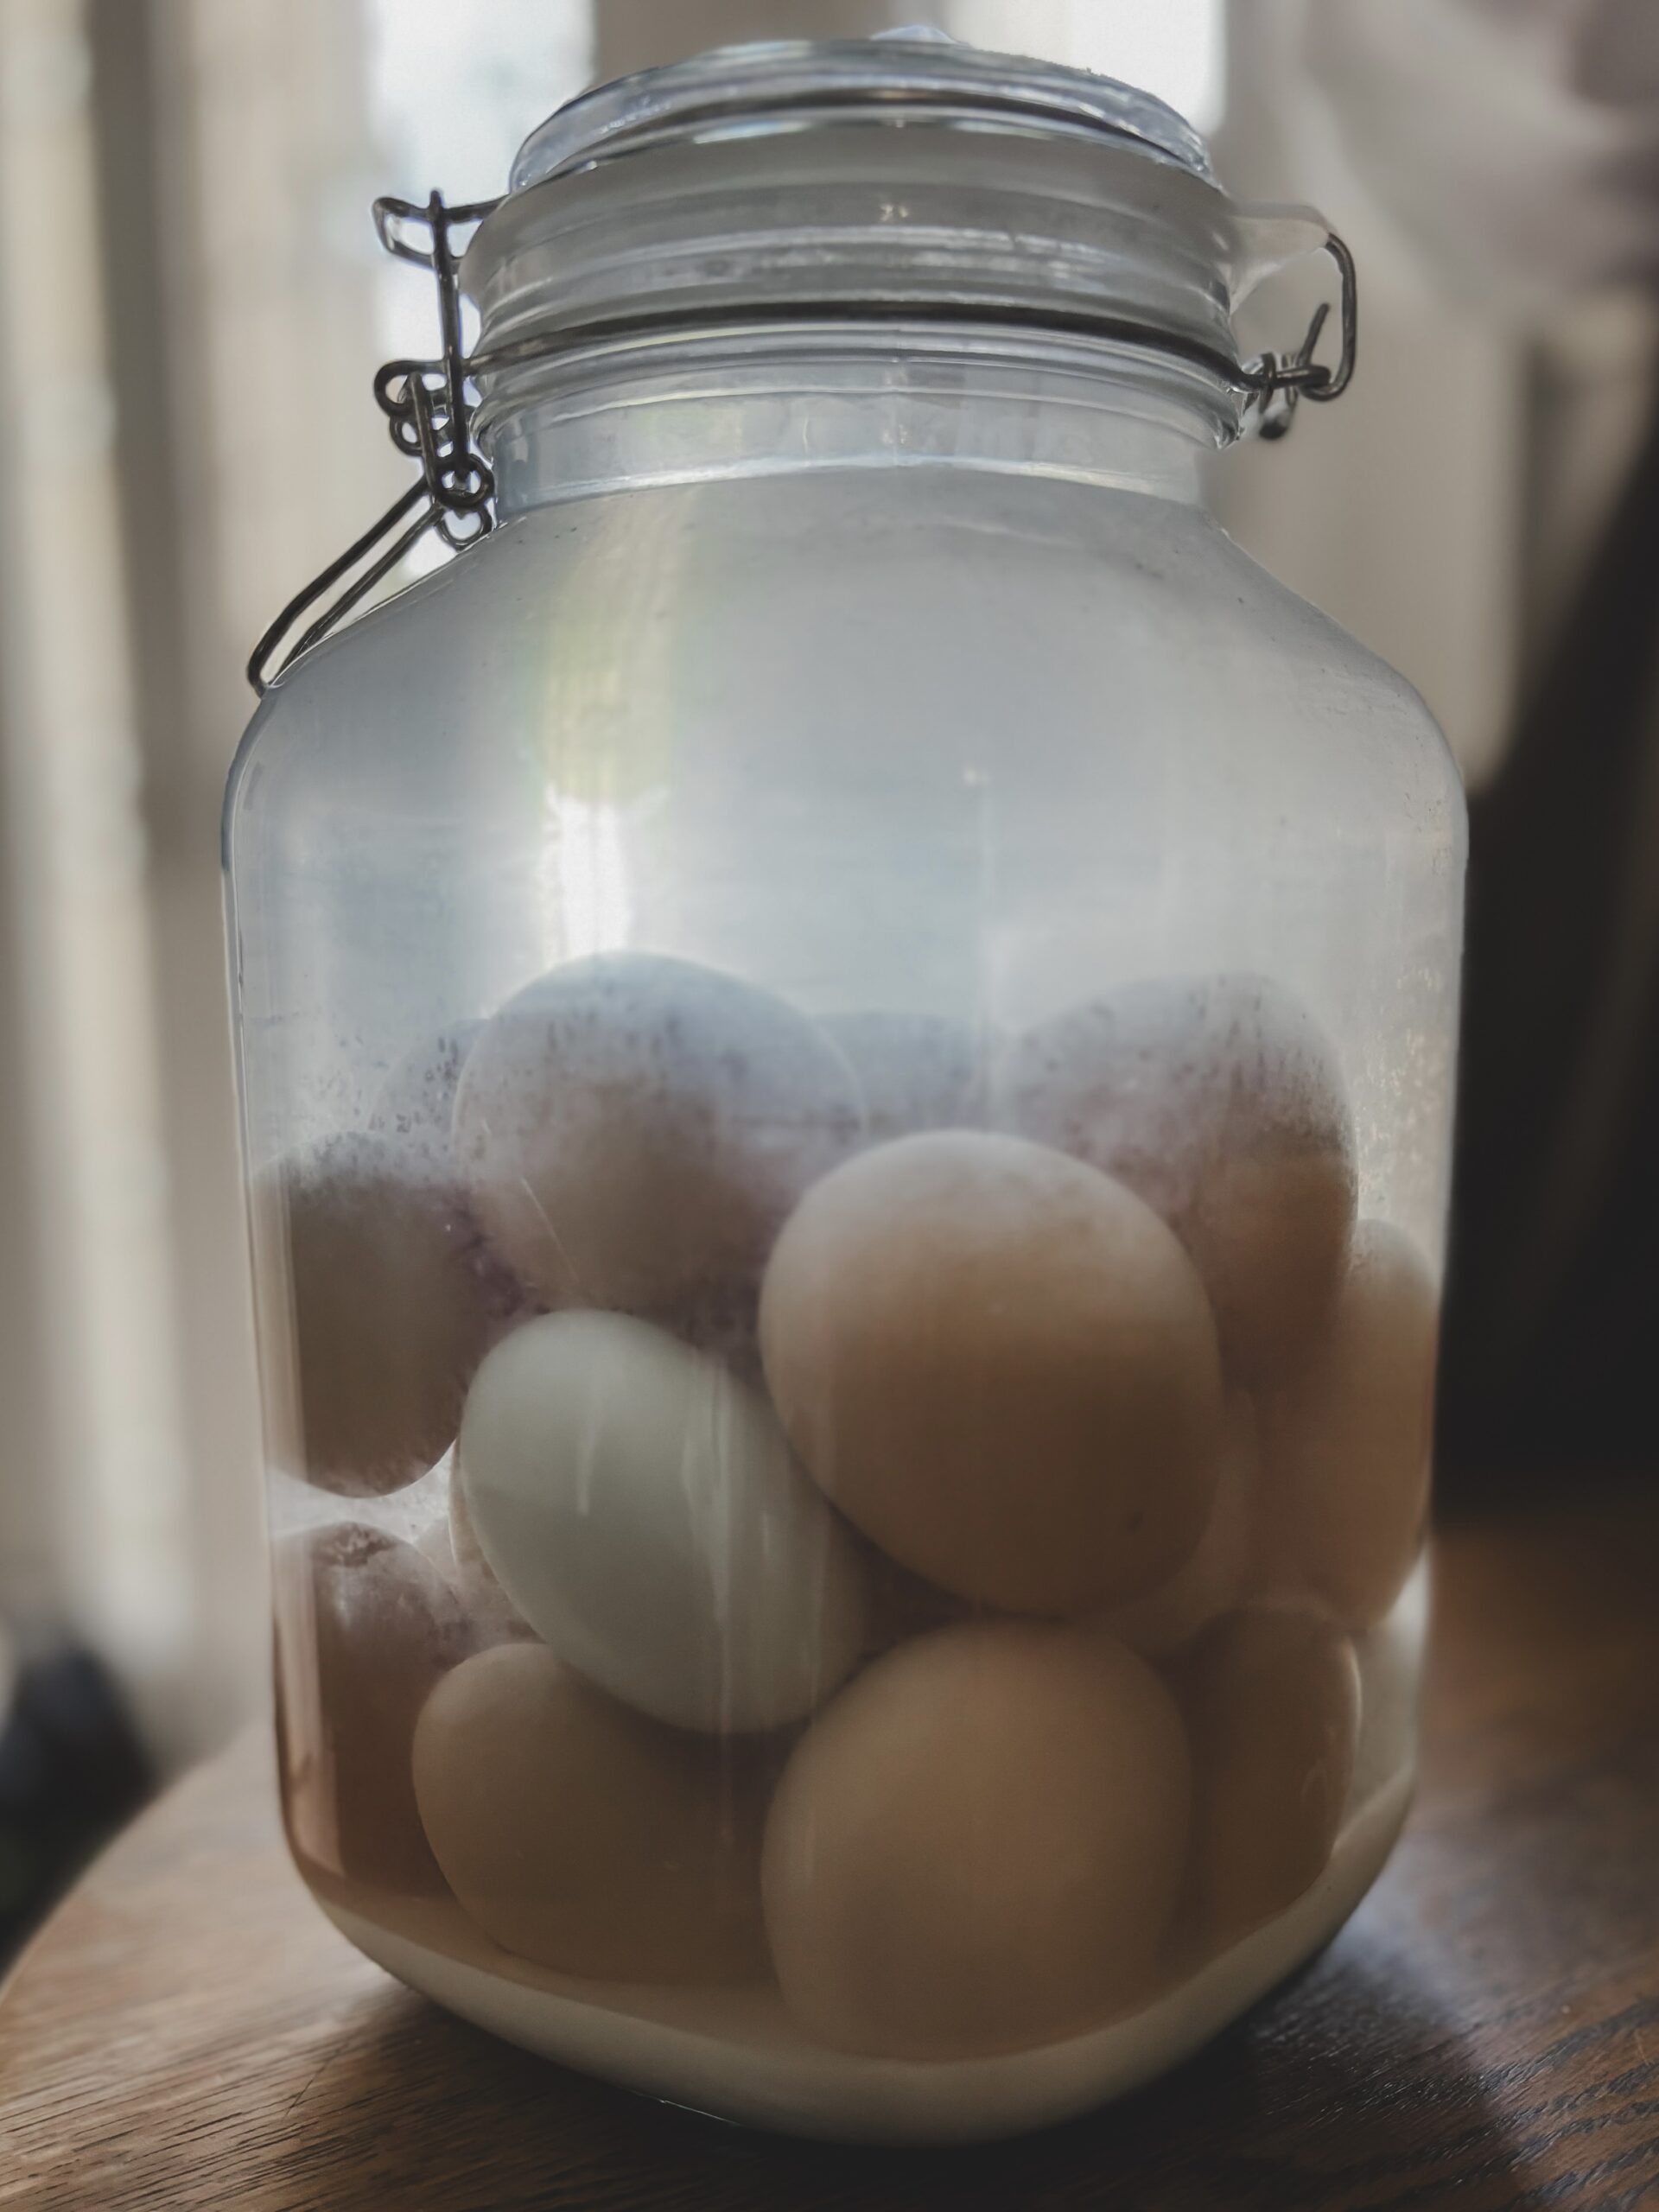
(189, 2032)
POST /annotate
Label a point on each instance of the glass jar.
(847, 1035)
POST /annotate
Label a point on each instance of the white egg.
(643, 1510)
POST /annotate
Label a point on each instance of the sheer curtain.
(194, 312)
(191, 313)
(92, 1503)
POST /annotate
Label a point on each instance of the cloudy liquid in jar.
(856, 1572)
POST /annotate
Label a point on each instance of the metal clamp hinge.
(428, 407)
(1277, 386)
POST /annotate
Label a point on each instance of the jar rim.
(892, 175)
(895, 78)
(902, 182)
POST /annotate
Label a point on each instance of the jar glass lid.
(904, 191)
(910, 76)
(901, 179)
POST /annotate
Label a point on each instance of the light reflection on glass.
(586, 897)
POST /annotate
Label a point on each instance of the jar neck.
(766, 402)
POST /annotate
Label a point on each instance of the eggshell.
(915, 1072)
(367, 1629)
(1213, 1580)
(378, 1301)
(979, 1846)
(1220, 1102)
(584, 1837)
(1001, 1365)
(1345, 1447)
(633, 1129)
(642, 1509)
(415, 1111)
(1272, 1706)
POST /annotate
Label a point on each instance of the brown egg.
(978, 1846)
(1212, 1580)
(1272, 1706)
(1001, 1365)
(378, 1302)
(633, 1129)
(1345, 1446)
(415, 1109)
(1220, 1102)
(916, 1070)
(367, 1629)
(585, 1837)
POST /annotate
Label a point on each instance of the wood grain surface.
(190, 2035)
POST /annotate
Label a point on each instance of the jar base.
(736, 2054)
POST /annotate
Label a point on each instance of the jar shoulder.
(1016, 620)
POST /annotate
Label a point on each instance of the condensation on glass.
(847, 1033)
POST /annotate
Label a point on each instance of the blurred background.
(192, 308)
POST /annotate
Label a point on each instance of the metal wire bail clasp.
(1277, 386)
(428, 407)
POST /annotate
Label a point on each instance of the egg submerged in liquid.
(1001, 1366)
(1220, 1101)
(979, 1846)
(633, 1130)
(584, 1836)
(643, 1510)
(1000, 1363)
